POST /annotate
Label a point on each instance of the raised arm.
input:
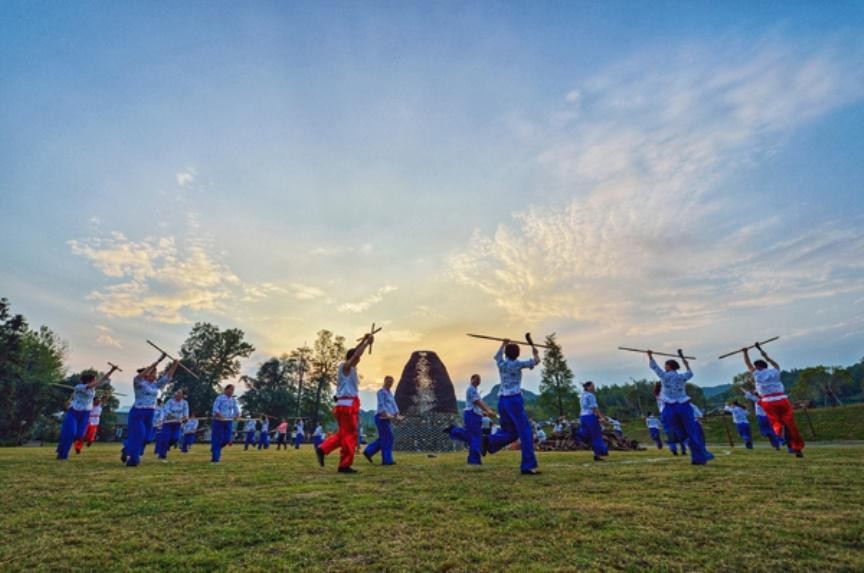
(684, 360)
(358, 353)
(767, 358)
(499, 355)
(653, 365)
(104, 380)
(152, 367)
(747, 362)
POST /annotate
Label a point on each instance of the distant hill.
(529, 397)
(712, 391)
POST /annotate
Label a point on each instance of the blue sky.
(665, 175)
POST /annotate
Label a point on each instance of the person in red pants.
(92, 427)
(346, 411)
(773, 399)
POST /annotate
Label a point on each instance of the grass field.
(747, 510)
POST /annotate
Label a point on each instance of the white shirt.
(158, 417)
(265, 425)
(472, 395)
(346, 386)
(82, 397)
(319, 431)
(298, 428)
(190, 426)
(486, 423)
(146, 391)
(249, 426)
(175, 410)
(673, 384)
(226, 406)
(739, 415)
(653, 422)
(588, 401)
(95, 415)
(386, 403)
(541, 436)
(755, 399)
(697, 413)
(616, 425)
(768, 382)
(511, 373)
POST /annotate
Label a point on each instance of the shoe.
(368, 458)
(530, 472)
(77, 452)
(347, 471)
(598, 459)
(390, 464)
(164, 461)
(319, 453)
(448, 429)
(88, 444)
(485, 447)
(123, 456)
(674, 453)
(799, 454)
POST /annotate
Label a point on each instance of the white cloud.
(305, 292)
(366, 303)
(164, 278)
(186, 177)
(333, 251)
(645, 241)
(108, 340)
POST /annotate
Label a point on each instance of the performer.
(140, 424)
(387, 410)
(616, 428)
(677, 413)
(653, 424)
(742, 423)
(225, 411)
(299, 433)
(249, 429)
(155, 428)
(346, 410)
(92, 426)
(318, 435)
(77, 415)
(511, 408)
(476, 411)
(773, 399)
(190, 428)
(589, 422)
(765, 428)
(264, 435)
(174, 413)
(282, 435)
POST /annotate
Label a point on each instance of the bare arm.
(747, 360)
(106, 378)
(358, 353)
(768, 358)
(486, 409)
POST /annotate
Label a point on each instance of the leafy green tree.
(328, 352)
(214, 355)
(557, 392)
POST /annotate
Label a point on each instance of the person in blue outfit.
(264, 434)
(225, 411)
(299, 433)
(190, 428)
(174, 413)
(589, 422)
(77, 415)
(742, 422)
(386, 413)
(765, 428)
(476, 411)
(515, 424)
(653, 423)
(677, 414)
(140, 423)
(249, 430)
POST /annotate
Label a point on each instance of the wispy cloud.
(186, 178)
(366, 303)
(645, 238)
(333, 251)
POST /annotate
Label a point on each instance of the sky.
(662, 175)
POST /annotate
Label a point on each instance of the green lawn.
(747, 510)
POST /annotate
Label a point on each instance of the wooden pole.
(657, 353)
(484, 337)
(728, 433)
(734, 352)
(179, 363)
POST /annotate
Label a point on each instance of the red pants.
(782, 418)
(346, 438)
(88, 437)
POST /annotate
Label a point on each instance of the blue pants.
(250, 440)
(264, 440)
(298, 439)
(671, 441)
(150, 438)
(188, 440)
(592, 434)
(471, 434)
(767, 430)
(140, 423)
(74, 426)
(744, 432)
(514, 426)
(682, 426)
(220, 436)
(384, 443)
(317, 440)
(168, 436)
(655, 435)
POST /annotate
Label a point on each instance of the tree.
(328, 352)
(823, 382)
(214, 355)
(556, 384)
(270, 391)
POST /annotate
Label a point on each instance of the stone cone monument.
(426, 398)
